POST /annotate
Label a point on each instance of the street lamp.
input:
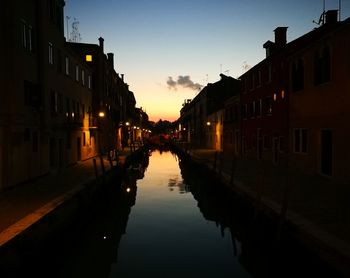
(101, 115)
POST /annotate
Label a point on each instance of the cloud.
(183, 81)
(171, 83)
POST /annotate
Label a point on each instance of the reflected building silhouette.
(181, 185)
(253, 240)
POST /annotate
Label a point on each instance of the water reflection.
(179, 184)
(166, 234)
(253, 239)
(152, 227)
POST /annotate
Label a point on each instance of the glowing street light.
(101, 114)
(208, 123)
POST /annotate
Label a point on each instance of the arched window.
(322, 66)
(298, 75)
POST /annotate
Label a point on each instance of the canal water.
(167, 220)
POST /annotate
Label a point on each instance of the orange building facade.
(319, 100)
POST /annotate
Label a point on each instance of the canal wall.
(268, 227)
(27, 240)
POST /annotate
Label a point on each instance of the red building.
(264, 104)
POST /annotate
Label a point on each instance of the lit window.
(274, 97)
(282, 94)
(88, 58)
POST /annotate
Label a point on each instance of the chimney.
(111, 59)
(331, 16)
(269, 46)
(122, 75)
(101, 40)
(280, 36)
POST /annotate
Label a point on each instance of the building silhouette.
(61, 102)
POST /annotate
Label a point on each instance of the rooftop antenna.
(321, 20)
(75, 35)
(339, 5)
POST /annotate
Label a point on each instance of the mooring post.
(95, 167)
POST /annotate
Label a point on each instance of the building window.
(67, 107)
(59, 61)
(300, 140)
(24, 34)
(258, 82)
(244, 111)
(322, 66)
(83, 77)
(89, 81)
(252, 109)
(88, 58)
(50, 53)
(77, 73)
(269, 73)
(258, 107)
(268, 106)
(67, 65)
(30, 38)
(298, 75)
(27, 36)
(84, 139)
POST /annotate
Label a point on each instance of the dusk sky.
(157, 41)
